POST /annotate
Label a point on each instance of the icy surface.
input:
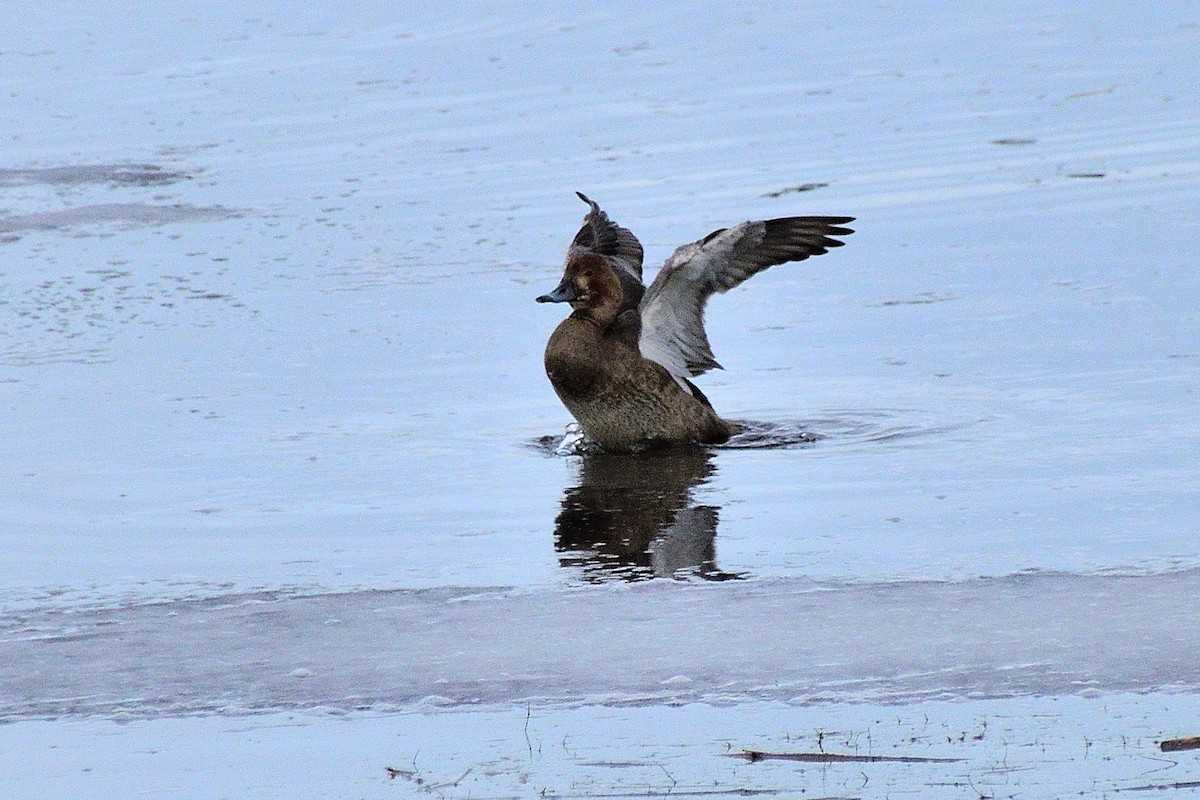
(652, 642)
(1040, 748)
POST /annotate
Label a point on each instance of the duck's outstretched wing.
(602, 236)
(673, 307)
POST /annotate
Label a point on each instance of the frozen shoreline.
(657, 642)
(1043, 747)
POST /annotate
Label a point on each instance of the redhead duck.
(622, 360)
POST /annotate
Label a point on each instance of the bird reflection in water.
(631, 517)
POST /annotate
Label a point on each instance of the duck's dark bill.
(563, 293)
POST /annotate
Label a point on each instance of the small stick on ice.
(836, 758)
(1189, 743)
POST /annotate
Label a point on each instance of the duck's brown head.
(590, 286)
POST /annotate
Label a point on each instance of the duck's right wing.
(673, 307)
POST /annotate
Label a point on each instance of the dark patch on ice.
(803, 187)
(120, 174)
(925, 298)
(124, 215)
(1014, 140)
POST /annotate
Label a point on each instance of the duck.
(623, 360)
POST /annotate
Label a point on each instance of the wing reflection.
(631, 517)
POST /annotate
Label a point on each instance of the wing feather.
(672, 308)
(602, 236)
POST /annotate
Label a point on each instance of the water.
(268, 344)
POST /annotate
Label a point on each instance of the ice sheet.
(657, 642)
(1041, 748)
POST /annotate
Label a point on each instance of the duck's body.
(623, 400)
(620, 362)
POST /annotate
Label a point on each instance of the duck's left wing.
(602, 236)
(673, 307)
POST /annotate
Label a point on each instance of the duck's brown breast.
(574, 358)
(622, 400)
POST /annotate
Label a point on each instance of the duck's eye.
(587, 273)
